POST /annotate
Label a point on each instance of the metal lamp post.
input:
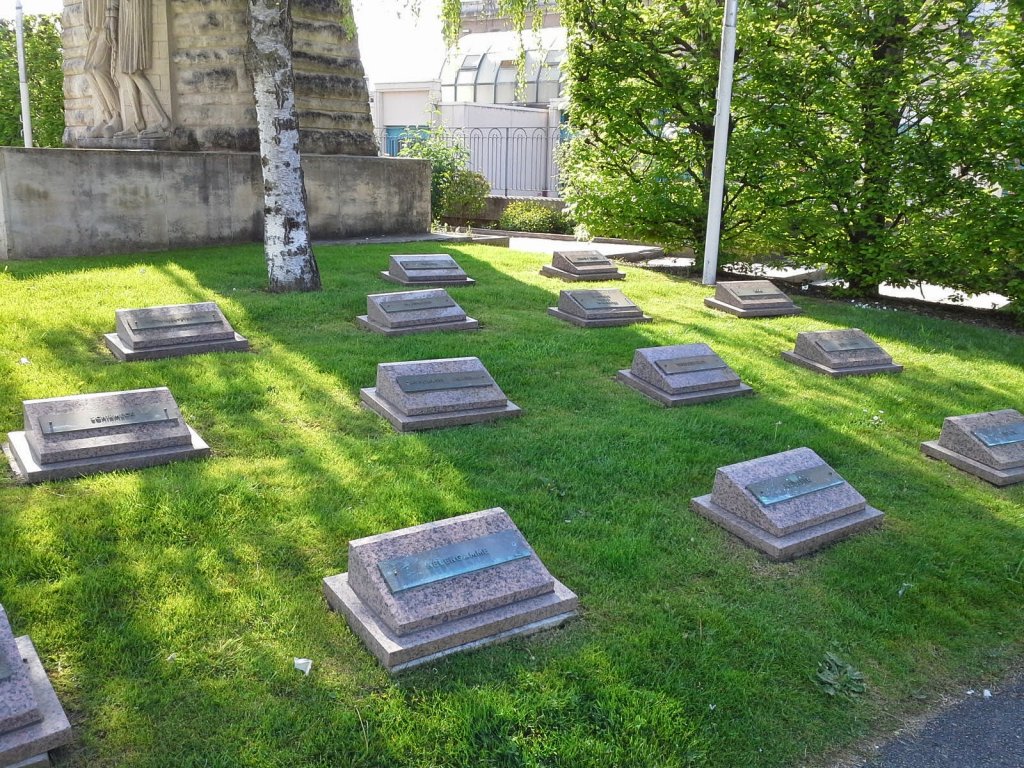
(26, 117)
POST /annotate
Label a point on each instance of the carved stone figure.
(134, 42)
(101, 30)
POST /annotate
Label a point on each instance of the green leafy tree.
(455, 191)
(44, 66)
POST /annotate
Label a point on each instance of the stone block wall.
(199, 74)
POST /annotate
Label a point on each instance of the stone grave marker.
(598, 308)
(751, 298)
(83, 434)
(398, 314)
(427, 394)
(682, 374)
(32, 721)
(420, 593)
(172, 331)
(582, 265)
(426, 269)
(785, 505)
(847, 352)
(989, 445)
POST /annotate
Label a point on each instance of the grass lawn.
(168, 603)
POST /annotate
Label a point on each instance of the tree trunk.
(291, 265)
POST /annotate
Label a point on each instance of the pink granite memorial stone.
(420, 593)
(398, 314)
(597, 308)
(785, 505)
(423, 269)
(846, 352)
(751, 298)
(989, 445)
(682, 374)
(172, 331)
(576, 266)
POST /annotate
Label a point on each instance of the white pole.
(725, 67)
(26, 117)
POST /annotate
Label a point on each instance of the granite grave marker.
(989, 445)
(785, 505)
(172, 331)
(430, 269)
(32, 721)
(398, 314)
(597, 308)
(682, 374)
(427, 394)
(83, 434)
(581, 265)
(751, 298)
(847, 352)
(421, 593)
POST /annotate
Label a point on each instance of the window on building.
(505, 85)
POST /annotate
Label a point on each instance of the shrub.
(455, 191)
(465, 196)
(528, 216)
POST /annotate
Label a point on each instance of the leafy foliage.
(838, 678)
(44, 66)
(454, 189)
(530, 216)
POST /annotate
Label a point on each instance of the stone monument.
(84, 434)
(398, 314)
(172, 330)
(989, 445)
(751, 298)
(421, 593)
(580, 266)
(847, 352)
(427, 394)
(785, 505)
(599, 308)
(32, 721)
(682, 374)
(435, 269)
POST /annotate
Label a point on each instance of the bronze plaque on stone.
(794, 484)
(429, 264)
(845, 345)
(1007, 434)
(80, 421)
(582, 259)
(690, 364)
(435, 382)
(769, 291)
(157, 322)
(402, 573)
(595, 300)
(414, 305)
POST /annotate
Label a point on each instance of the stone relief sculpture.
(101, 30)
(134, 43)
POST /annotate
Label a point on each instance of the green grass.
(168, 603)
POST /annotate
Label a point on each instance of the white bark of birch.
(291, 265)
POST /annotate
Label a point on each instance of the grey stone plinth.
(597, 308)
(605, 322)
(960, 435)
(838, 373)
(581, 265)
(82, 434)
(751, 298)
(49, 732)
(549, 271)
(687, 398)
(846, 352)
(452, 610)
(799, 515)
(36, 761)
(682, 374)
(425, 269)
(237, 343)
(468, 324)
(998, 477)
(793, 545)
(405, 423)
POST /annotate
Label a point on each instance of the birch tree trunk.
(291, 265)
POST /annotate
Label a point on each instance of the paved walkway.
(975, 733)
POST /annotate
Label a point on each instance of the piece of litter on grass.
(24, 361)
(970, 692)
(304, 665)
(172, 657)
(986, 694)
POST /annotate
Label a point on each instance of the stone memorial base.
(790, 546)
(742, 312)
(28, 470)
(432, 283)
(836, 373)
(421, 593)
(999, 477)
(601, 322)
(683, 398)
(29, 744)
(550, 271)
(124, 354)
(367, 323)
(403, 422)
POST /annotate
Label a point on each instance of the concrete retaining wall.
(82, 202)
